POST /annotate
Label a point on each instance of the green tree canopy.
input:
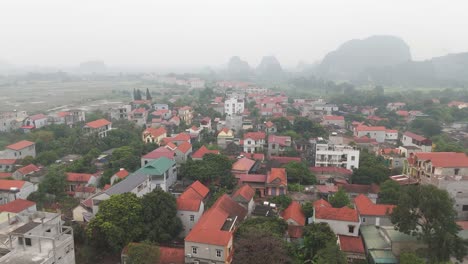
(389, 192)
(427, 212)
(411, 258)
(316, 236)
(142, 253)
(371, 169)
(54, 182)
(339, 199)
(273, 225)
(330, 254)
(283, 201)
(299, 172)
(259, 246)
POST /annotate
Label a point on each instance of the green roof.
(383, 256)
(156, 167)
(372, 238)
(397, 236)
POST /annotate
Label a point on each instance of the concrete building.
(36, 238)
(11, 190)
(371, 213)
(329, 155)
(343, 221)
(277, 145)
(98, 127)
(245, 197)
(19, 150)
(120, 112)
(254, 142)
(154, 135)
(139, 116)
(225, 136)
(12, 120)
(36, 121)
(157, 107)
(191, 205)
(415, 140)
(332, 120)
(233, 106)
(379, 133)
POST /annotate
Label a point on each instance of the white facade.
(11, 120)
(190, 218)
(251, 145)
(346, 228)
(391, 135)
(329, 155)
(121, 112)
(7, 196)
(233, 106)
(378, 135)
(19, 153)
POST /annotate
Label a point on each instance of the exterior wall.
(340, 227)
(78, 213)
(253, 146)
(121, 113)
(101, 131)
(408, 141)
(207, 252)
(20, 154)
(325, 157)
(181, 157)
(391, 136)
(375, 220)
(340, 123)
(276, 191)
(379, 136)
(185, 218)
(233, 106)
(160, 107)
(11, 120)
(150, 139)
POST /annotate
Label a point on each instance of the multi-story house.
(75, 180)
(98, 127)
(121, 112)
(36, 237)
(277, 145)
(379, 133)
(69, 118)
(415, 140)
(254, 142)
(11, 190)
(191, 205)
(276, 182)
(13, 120)
(233, 106)
(139, 116)
(225, 136)
(329, 155)
(186, 114)
(156, 154)
(205, 123)
(211, 240)
(332, 120)
(245, 197)
(154, 135)
(445, 170)
(36, 121)
(371, 213)
(182, 152)
(19, 150)
(343, 221)
(157, 107)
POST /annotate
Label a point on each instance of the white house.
(379, 133)
(415, 140)
(343, 156)
(100, 127)
(11, 190)
(19, 150)
(254, 141)
(191, 205)
(36, 121)
(343, 221)
(233, 106)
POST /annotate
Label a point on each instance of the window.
(192, 218)
(465, 207)
(363, 219)
(20, 241)
(249, 142)
(456, 171)
(353, 158)
(219, 253)
(27, 241)
(194, 250)
(351, 229)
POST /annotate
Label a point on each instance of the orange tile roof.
(182, 137)
(28, 169)
(277, 173)
(6, 185)
(122, 173)
(7, 161)
(168, 255)
(243, 164)
(246, 192)
(255, 135)
(200, 188)
(160, 152)
(78, 177)
(321, 203)
(192, 197)
(351, 244)
(209, 229)
(340, 214)
(184, 147)
(366, 207)
(295, 231)
(294, 212)
(4, 175)
(38, 116)
(98, 123)
(370, 128)
(444, 159)
(414, 136)
(203, 151)
(63, 114)
(20, 145)
(16, 206)
(333, 117)
(154, 132)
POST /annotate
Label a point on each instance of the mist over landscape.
(233, 132)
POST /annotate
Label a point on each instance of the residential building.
(158, 107)
(329, 155)
(276, 182)
(191, 205)
(211, 239)
(19, 150)
(343, 221)
(121, 112)
(154, 135)
(225, 136)
(182, 152)
(395, 106)
(254, 141)
(278, 145)
(36, 237)
(36, 121)
(166, 255)
(22, 172)
(293, 215)
(139, 116)
(156, 154)
(243, 165)
(205, 123)
(69, 118)
(75, 180)
(233, 106)
(332, 120)
(202, 151)
(445, 170)
(119, 176)
(371, 213)
(18, 206)
(270, 127)
(11, 190)
(353, 248)
(7, 165)
(177, 139)
(194, 132)
(98, 127)
(415, 140)
(245, 197)
(13, 120)
(354, 190)
(379, 133)
(186, 114)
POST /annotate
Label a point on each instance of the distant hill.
(238, 69)
(354, 57)
(93, 67)
(270, 68)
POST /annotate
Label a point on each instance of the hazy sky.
(205, 32)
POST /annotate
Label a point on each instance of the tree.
(426, 126)
(283, 201)
(148, 95)
(427, 212)
(125, 157)
(331, 254)
(339, 199)
(46, 158)
(308, 209)
(259, 246)
(142, 253)
(299, 172)
(316, 236)
(211, 168)
(389, 192)
(275, 226)
(410, 258)
(54, 182)
(160, 219)
(371, 169)
(118, 222)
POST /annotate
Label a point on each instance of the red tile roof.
(192, 197)
(402, 113)
(63, 114)
(168, 255)
(78, 177)
(7, 161)
(98, 123)
(255, 135)
(107, 186)
(154, 132)
(6, 185)
(295, 231)
(28, 169)
(160, 152)
(463, 224)
(246, 192)
(4, 175)
(181, 137)
(281, 140)
(269, 124)
(184, 147)
(122, 173)
(364, 139)
(370, 128)
(209, 229)
(200, 188)
(351, 244)
(333, 117)
(366, 207)
(294, 212)
(20, 145)
(243, 178)
(360, 188)
(327, 188)
(321, 203)
(203, 151)
(285, 160)
(38, 116)
(340, 214)
(444, 159)
(16, 206)
(414, 136)
(140, 110)
(243, 164)
(85, 189)
(277, 173)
